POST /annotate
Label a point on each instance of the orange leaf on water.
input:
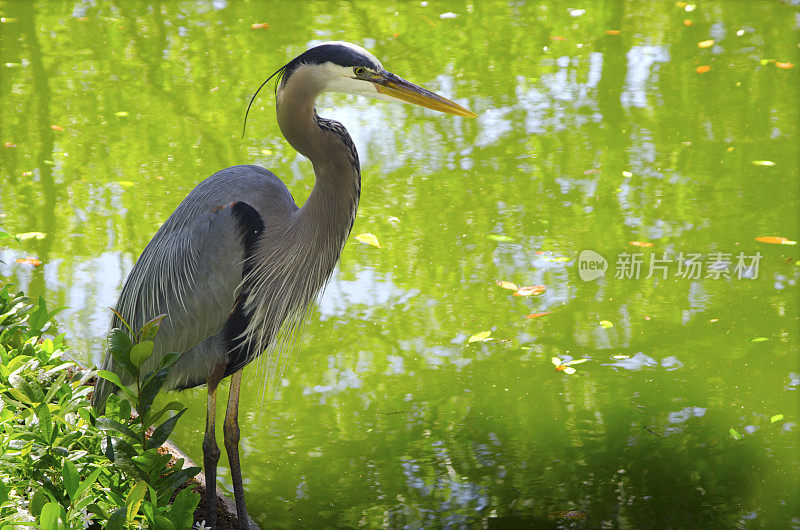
(29, 261)
(613, 32)
(703, 68)
(783, 65)
(507, 285)
(776, 240)
(537, 315)
(57, 127)
(591, 171)
(260, 25)
(530, 290)
(687, 22)
(705, 43)
(557, 37)
(641, 244)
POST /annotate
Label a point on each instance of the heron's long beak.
(397, 87)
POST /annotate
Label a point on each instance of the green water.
(585, 140)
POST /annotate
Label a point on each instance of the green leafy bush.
(62, 465)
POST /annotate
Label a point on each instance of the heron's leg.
(231, 431)
(210, 449)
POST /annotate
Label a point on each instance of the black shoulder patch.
(251, 225)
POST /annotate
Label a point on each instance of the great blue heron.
(237, 261)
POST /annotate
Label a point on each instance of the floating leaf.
(126, 183)
(573, 515)
(31, 235)
(557, 37)
(530, 290)
(736, 435)
(564, 366)
(500, 238)
(483, 336)
(29, 261)
(605, 324)
(613, 32)
(57, 127)
(537, 315)
(705, 43)
(619, 357)
(785, 66)
(591, 171)
(368, 239)
(641, 244)
(687, 22)
(575, 361)
(703, 68)
(776, 240)
(759, 339)
(556, 259)
(763, 163)
(776, 417)
(507, 285)
(121, 114)
(260, 25)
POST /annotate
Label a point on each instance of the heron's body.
(238, 262)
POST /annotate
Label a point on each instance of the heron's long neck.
(327, 216)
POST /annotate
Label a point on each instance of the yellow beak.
(397, 87)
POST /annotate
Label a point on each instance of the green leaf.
(120, 344)
(4, 490)
(154, 417)
(48, 519)
(181, 513)
(500, 238)
(38, 318)
(150, 329)
(776, 417)
(162, 432)
(45, 422)
(87, 483)
(70, 475)
(140, 352)
(169, 359)
(151, 387)
(759, 339)
(736, 435)
(107, 424)
(39, 499)
(114, 378)
(134, 500)
(162, 523)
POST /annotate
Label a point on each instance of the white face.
(330, 77)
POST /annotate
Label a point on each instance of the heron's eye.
(359, 70)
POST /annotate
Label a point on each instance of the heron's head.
(345, 67)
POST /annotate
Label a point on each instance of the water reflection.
(389, 417)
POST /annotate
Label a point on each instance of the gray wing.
(192, 269)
